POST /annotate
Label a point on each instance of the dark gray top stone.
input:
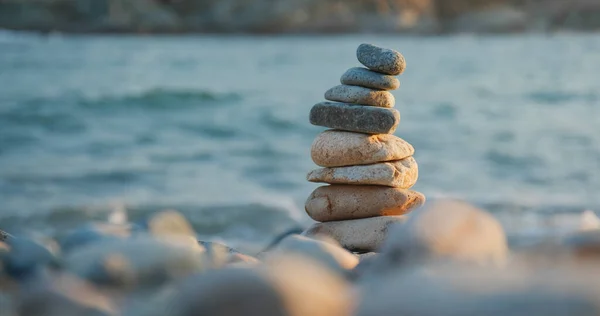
(382, 60)
(363, 77)
(355, 118)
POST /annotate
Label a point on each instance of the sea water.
(217, 126)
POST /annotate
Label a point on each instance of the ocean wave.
(160, 99)
(7, 36)
(560, 97)
(250, 226)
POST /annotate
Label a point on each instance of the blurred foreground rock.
(289, 286)
(459, 290)
(450, 258)
(298, 16)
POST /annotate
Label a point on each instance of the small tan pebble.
(360, 96)
(401, 174)
(367, 234)
(338, 148)
(170, 223)
(345, 202)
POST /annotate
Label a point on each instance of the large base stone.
(345, 202)
(361, 235)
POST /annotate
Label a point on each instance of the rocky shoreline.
(304, 17)
(447, 258)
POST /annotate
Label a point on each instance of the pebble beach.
(372, 229)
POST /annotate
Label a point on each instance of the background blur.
(216, 125)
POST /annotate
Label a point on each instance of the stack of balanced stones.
(368, 169)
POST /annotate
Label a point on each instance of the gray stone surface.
(345, 202)
(360, 95)
(326, 250)
(23, 257)
(338, 148)
(93, 233)
(459, 290)
(363, 235)
(401, 174)
(63, 295)
(448, 230)
(288, 286)
(363, 77)
(355, 118)
(141, 262)
(382, 60)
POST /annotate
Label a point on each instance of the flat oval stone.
(355, 118)
(360, 95)
(382, 60)
(363, 235)
(363, 77)
(401, 174)
(346, 202)
(338, 148)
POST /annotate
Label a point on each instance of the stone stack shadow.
(368, 169)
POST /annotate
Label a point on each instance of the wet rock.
(362, 77)
(361, 235)
(95, 232)
(337, 149)
(401, 174)
(383, 60)
(325, 250)
(219, 255)
(360, 96)
(4, 236)
(355, 118)
(63, 295)
(340, 202)
(448, 230)
(364, 265)
(137, 262)
(26, 257)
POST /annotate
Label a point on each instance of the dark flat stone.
(355, 118)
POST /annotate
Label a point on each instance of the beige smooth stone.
(401, 174)
(338, 202)
(362, 235)
(334, 148)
